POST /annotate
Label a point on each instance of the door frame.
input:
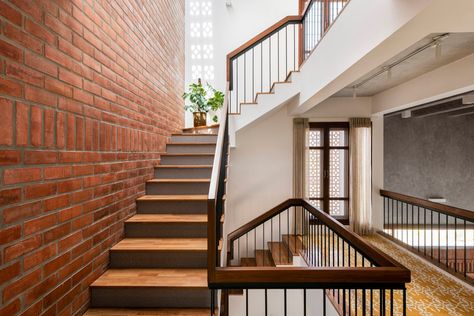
(326, 126)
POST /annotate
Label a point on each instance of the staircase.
(160, 265)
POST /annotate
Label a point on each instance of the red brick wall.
(89, 92)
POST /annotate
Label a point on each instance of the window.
(328, 174)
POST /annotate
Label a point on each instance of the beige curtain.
(300, 156)
(300, 162)
(360, 206)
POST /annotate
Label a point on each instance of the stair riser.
(183, 173)
(190, 149)
(173, 207)
(194, 139)
(177, 188)
(158, 259)
(165, 230)
(150, 297)
(187, 160)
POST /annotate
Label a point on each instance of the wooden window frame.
(325, 127)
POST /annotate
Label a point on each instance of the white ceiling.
(453, 47)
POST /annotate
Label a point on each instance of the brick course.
(89, 92)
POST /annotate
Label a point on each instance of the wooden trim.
(311, 277)
(441, 208)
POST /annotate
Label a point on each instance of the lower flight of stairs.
(160, 267)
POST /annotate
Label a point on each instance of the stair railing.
(353, 275)
(442, 234)
(270, 57)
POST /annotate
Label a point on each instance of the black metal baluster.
(465, 251)
(286, 52)
(344, 302)
(418, 227)
(255, 243)
(253, 75)
(304, 302)
(447, 242)
(261, 69)
(212, 302)
(393, 222)
(364, 303)
(424, 230)
(270, 64)
(412, 226)
(439, 237)
(263, 244)
(278, 56)
(391, 302)
(431, 234)
(288, 232)
(455, 244)
(237, 103)
(285, 306)
(279, 236)
(247, 302)
(324, 302)
(404, 302)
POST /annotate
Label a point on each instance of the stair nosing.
(155, 197)
(178, 180)
(203, 220)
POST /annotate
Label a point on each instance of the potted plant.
(202, 100)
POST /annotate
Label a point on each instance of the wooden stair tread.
(264, 258)
(161, 278)
(184, 166)
(178, 180)
(167, 218)
(161, 244)
(187, 154)
(148, 312)
(192, 144)
(280, 253)
(295, 243)
(150, 197)
(200, 127)
(248, 262)
(193, 134)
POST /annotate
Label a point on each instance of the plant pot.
(199, 119)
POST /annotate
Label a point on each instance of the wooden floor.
(168, 218)
(162, 244)
(194, 278)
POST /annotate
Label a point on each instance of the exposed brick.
(41, 64)
(9, 196)
(9, 272)
(40, 190)
(40, 96)
(39, 256)
(39, 224)
(12, 176)
(25, 74)
(10, 87)
(36, 131)
(28, 41)
(49, 122)
(21, 212)
(22, 122)
(6, 126)
(78, 78)
(10, 234)
(40, 157)
(10, 51)
(22, 247)
(10, 13)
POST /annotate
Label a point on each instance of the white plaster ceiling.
(453, 47)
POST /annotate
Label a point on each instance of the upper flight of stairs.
(160, 267)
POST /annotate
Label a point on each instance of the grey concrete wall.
(431, 156)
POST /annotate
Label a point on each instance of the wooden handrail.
(378, 257)
(214, 189)
(441, 208)
(291, 19)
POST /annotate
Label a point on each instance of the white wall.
(237, 24)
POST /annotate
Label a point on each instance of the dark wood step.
(264, 258)
(150, 288)
(280, 253)
(183, 171)
(177, 186)
(148, 312)
(177, 204)
(166, 225)
(159, 253)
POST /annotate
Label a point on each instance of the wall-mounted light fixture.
(228, 3)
